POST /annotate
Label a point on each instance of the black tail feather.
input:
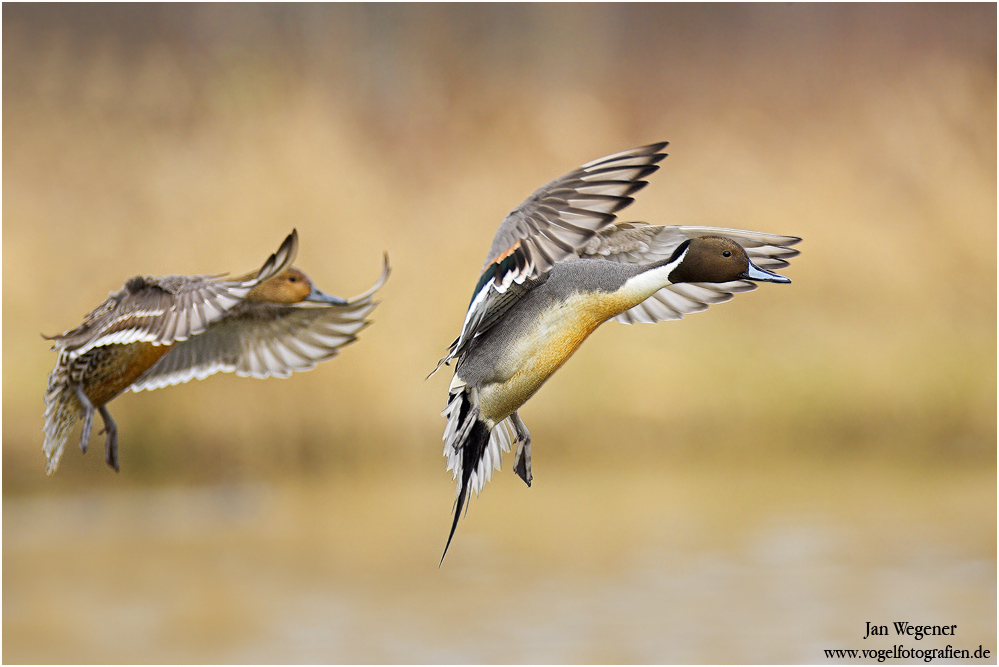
(457, 515)
(472, 450)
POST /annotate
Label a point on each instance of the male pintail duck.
(558, 268)
(161, 331)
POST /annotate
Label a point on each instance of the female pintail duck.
(161, 331)
(558, 268)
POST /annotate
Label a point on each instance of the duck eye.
(727, 253)
(293, 279)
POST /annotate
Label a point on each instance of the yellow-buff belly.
(542, 350)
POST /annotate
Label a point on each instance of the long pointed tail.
(471, 452)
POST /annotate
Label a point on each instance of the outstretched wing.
(550, 226)
(164, 310)
(264, 339)
(639, 243)
(558, 218)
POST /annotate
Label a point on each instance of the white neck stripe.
(649, 282)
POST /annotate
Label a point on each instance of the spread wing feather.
(575, 206)
(262, 340)
(164, 310)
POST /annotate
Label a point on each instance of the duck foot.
(111, 441)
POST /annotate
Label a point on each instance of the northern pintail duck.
(161, 331)
(558, 268)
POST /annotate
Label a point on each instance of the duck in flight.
(561, 265)
(160, 331)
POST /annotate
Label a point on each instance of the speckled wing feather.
(550, 226)
(640, 243)
(164, 310)
(263, 340)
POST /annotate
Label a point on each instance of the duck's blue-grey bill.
(762, 275)
(322, 297)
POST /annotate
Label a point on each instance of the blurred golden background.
(751, 484)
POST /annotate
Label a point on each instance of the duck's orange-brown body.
(113, 368)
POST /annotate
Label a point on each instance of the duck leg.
(111, 442)
(522, 463)
(88, 417)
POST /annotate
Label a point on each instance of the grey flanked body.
(561, 265)
(495, 355)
